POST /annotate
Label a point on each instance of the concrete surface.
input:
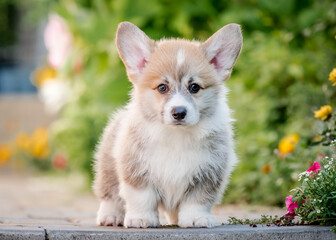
(60, 232)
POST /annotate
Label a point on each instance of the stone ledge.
(52, 232)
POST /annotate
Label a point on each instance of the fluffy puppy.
(172, 146)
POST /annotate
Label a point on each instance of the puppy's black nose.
(179, 113)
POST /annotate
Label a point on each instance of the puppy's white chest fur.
(174, 156)
(172, 163)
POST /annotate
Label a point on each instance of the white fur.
(109, 214)
(180, 57)
(140, 207)
(194, 215)
(178, 100)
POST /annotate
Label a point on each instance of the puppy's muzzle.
(179, 113)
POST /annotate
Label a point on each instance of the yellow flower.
(332, 76)
(317, 139)
(5, 153)
(40, 134)
(288, 143)
(39, 143)
(324, 112)
(266, 169)
(22, 141)
(45, 73)
(41, 150)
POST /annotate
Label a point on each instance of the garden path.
(66, 198)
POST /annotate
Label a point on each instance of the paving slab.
(21, 232)
(220, 232)
(60, 232)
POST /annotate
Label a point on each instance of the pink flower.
(290, 205)
(58, 41)
(314, 168)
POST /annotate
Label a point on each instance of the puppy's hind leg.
(110, 213)
(106, 184)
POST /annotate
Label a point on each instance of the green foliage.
(315, 199)
(317, 194)
(7, 23)
(280, 77)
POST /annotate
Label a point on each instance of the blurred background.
(61, 77)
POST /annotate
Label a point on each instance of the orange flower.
(39, 144)
(43, 74)
(40, 150)
(40, 134)
(266, 169)
(5, 153)
(324, 112)
(288, 143)
(22, 141)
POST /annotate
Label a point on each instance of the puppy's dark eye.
(162, 88)
(194, 88)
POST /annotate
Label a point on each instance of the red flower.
(290, 205)
(314, 168)
(60, 162)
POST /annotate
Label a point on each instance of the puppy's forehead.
(177, 58)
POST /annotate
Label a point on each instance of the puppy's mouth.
(178, 123)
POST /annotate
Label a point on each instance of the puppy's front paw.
(191, 220)
(110, 214)
(141, 221)
(109, 220)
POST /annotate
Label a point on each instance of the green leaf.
(311, 214)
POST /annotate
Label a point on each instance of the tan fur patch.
(106, 183)
(131, 166)
(164, 63)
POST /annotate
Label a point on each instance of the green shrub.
(279, 79)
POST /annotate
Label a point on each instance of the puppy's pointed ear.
(222, 49)
(134, 48)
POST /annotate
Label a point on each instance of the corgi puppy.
(171, 148)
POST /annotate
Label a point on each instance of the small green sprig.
(267, 220)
